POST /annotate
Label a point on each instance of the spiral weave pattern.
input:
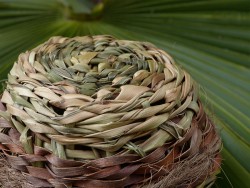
(101, 112)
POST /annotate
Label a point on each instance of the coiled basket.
(97, 112)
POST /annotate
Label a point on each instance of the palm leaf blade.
(208, 38)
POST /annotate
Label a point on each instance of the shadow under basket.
(97, 112)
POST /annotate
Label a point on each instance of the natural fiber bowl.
(101, 112)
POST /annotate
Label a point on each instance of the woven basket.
(98, 112)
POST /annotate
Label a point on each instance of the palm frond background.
(209, 38)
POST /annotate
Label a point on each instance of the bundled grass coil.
(95, 111)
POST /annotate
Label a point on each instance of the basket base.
(10, 177)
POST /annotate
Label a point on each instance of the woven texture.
(101, 112)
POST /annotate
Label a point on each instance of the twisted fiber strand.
(101, 112)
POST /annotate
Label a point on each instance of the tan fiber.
(99, 112)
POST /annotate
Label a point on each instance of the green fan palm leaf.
(210, 39)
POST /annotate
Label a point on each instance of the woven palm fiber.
(98, 112)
